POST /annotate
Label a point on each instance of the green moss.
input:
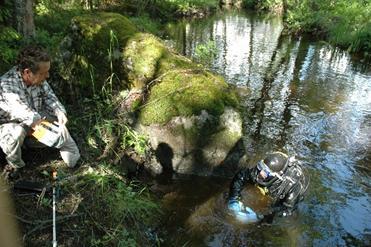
(225, 138)
(141, 55)
(181, 87)
(93, 36)
(146, 58)
(191, 135)
(97, 26)
(186, 93)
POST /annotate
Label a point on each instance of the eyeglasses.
(263, 167)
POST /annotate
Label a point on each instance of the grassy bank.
(343, 23)
(101, 202)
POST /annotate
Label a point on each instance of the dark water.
(306, 98)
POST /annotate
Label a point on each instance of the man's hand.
(235, 205)
(62, 118)
(34, 124)
(242, 213)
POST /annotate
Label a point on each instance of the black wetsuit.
(286, 190)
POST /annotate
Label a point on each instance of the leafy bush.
(204, 53)
(344, 23)
(9, 45)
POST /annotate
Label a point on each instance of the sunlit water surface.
(307, 98)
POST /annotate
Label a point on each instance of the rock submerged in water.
(198, 144)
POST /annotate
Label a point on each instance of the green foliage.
(205, 53)
(265, 5)
(5, 12)
(185, 7)
(9, 38)
(166, 9)
(105, 131)
(126, 207)
(250, 4)
(144, 22)
(131, 138)
(344, 23)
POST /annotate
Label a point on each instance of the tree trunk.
(24, 21)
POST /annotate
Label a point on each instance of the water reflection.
(307, 98)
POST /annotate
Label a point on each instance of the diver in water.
(280, 177)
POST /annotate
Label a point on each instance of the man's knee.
(70, 158)
(11, 140)
(19, 133)
(12, 136)
(70, 152)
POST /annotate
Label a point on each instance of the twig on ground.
(44, 224)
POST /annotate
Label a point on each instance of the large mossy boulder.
(92, 51)
(190, 114)
(146, 58)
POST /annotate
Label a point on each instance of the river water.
(306, 98)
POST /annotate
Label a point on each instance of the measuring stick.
(54, 176)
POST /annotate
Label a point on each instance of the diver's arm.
(289, 204)
(267, 217)
(238, 181)
(282, 208)
(236, 207)
(286, 206)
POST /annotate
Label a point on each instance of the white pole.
(54, 220)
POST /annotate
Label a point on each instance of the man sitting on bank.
(25, 100)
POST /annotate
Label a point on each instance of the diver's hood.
(276, 175)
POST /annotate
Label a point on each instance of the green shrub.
(9, 45)
(205, 53)
(343, 23)
(117, 210)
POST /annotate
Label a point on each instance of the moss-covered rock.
(92, 51)
(146, 58)
(178, 87)
(140, 58)
(186, 92)
(185, 106)
(197, 144)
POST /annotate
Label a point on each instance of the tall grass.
(117, 212)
